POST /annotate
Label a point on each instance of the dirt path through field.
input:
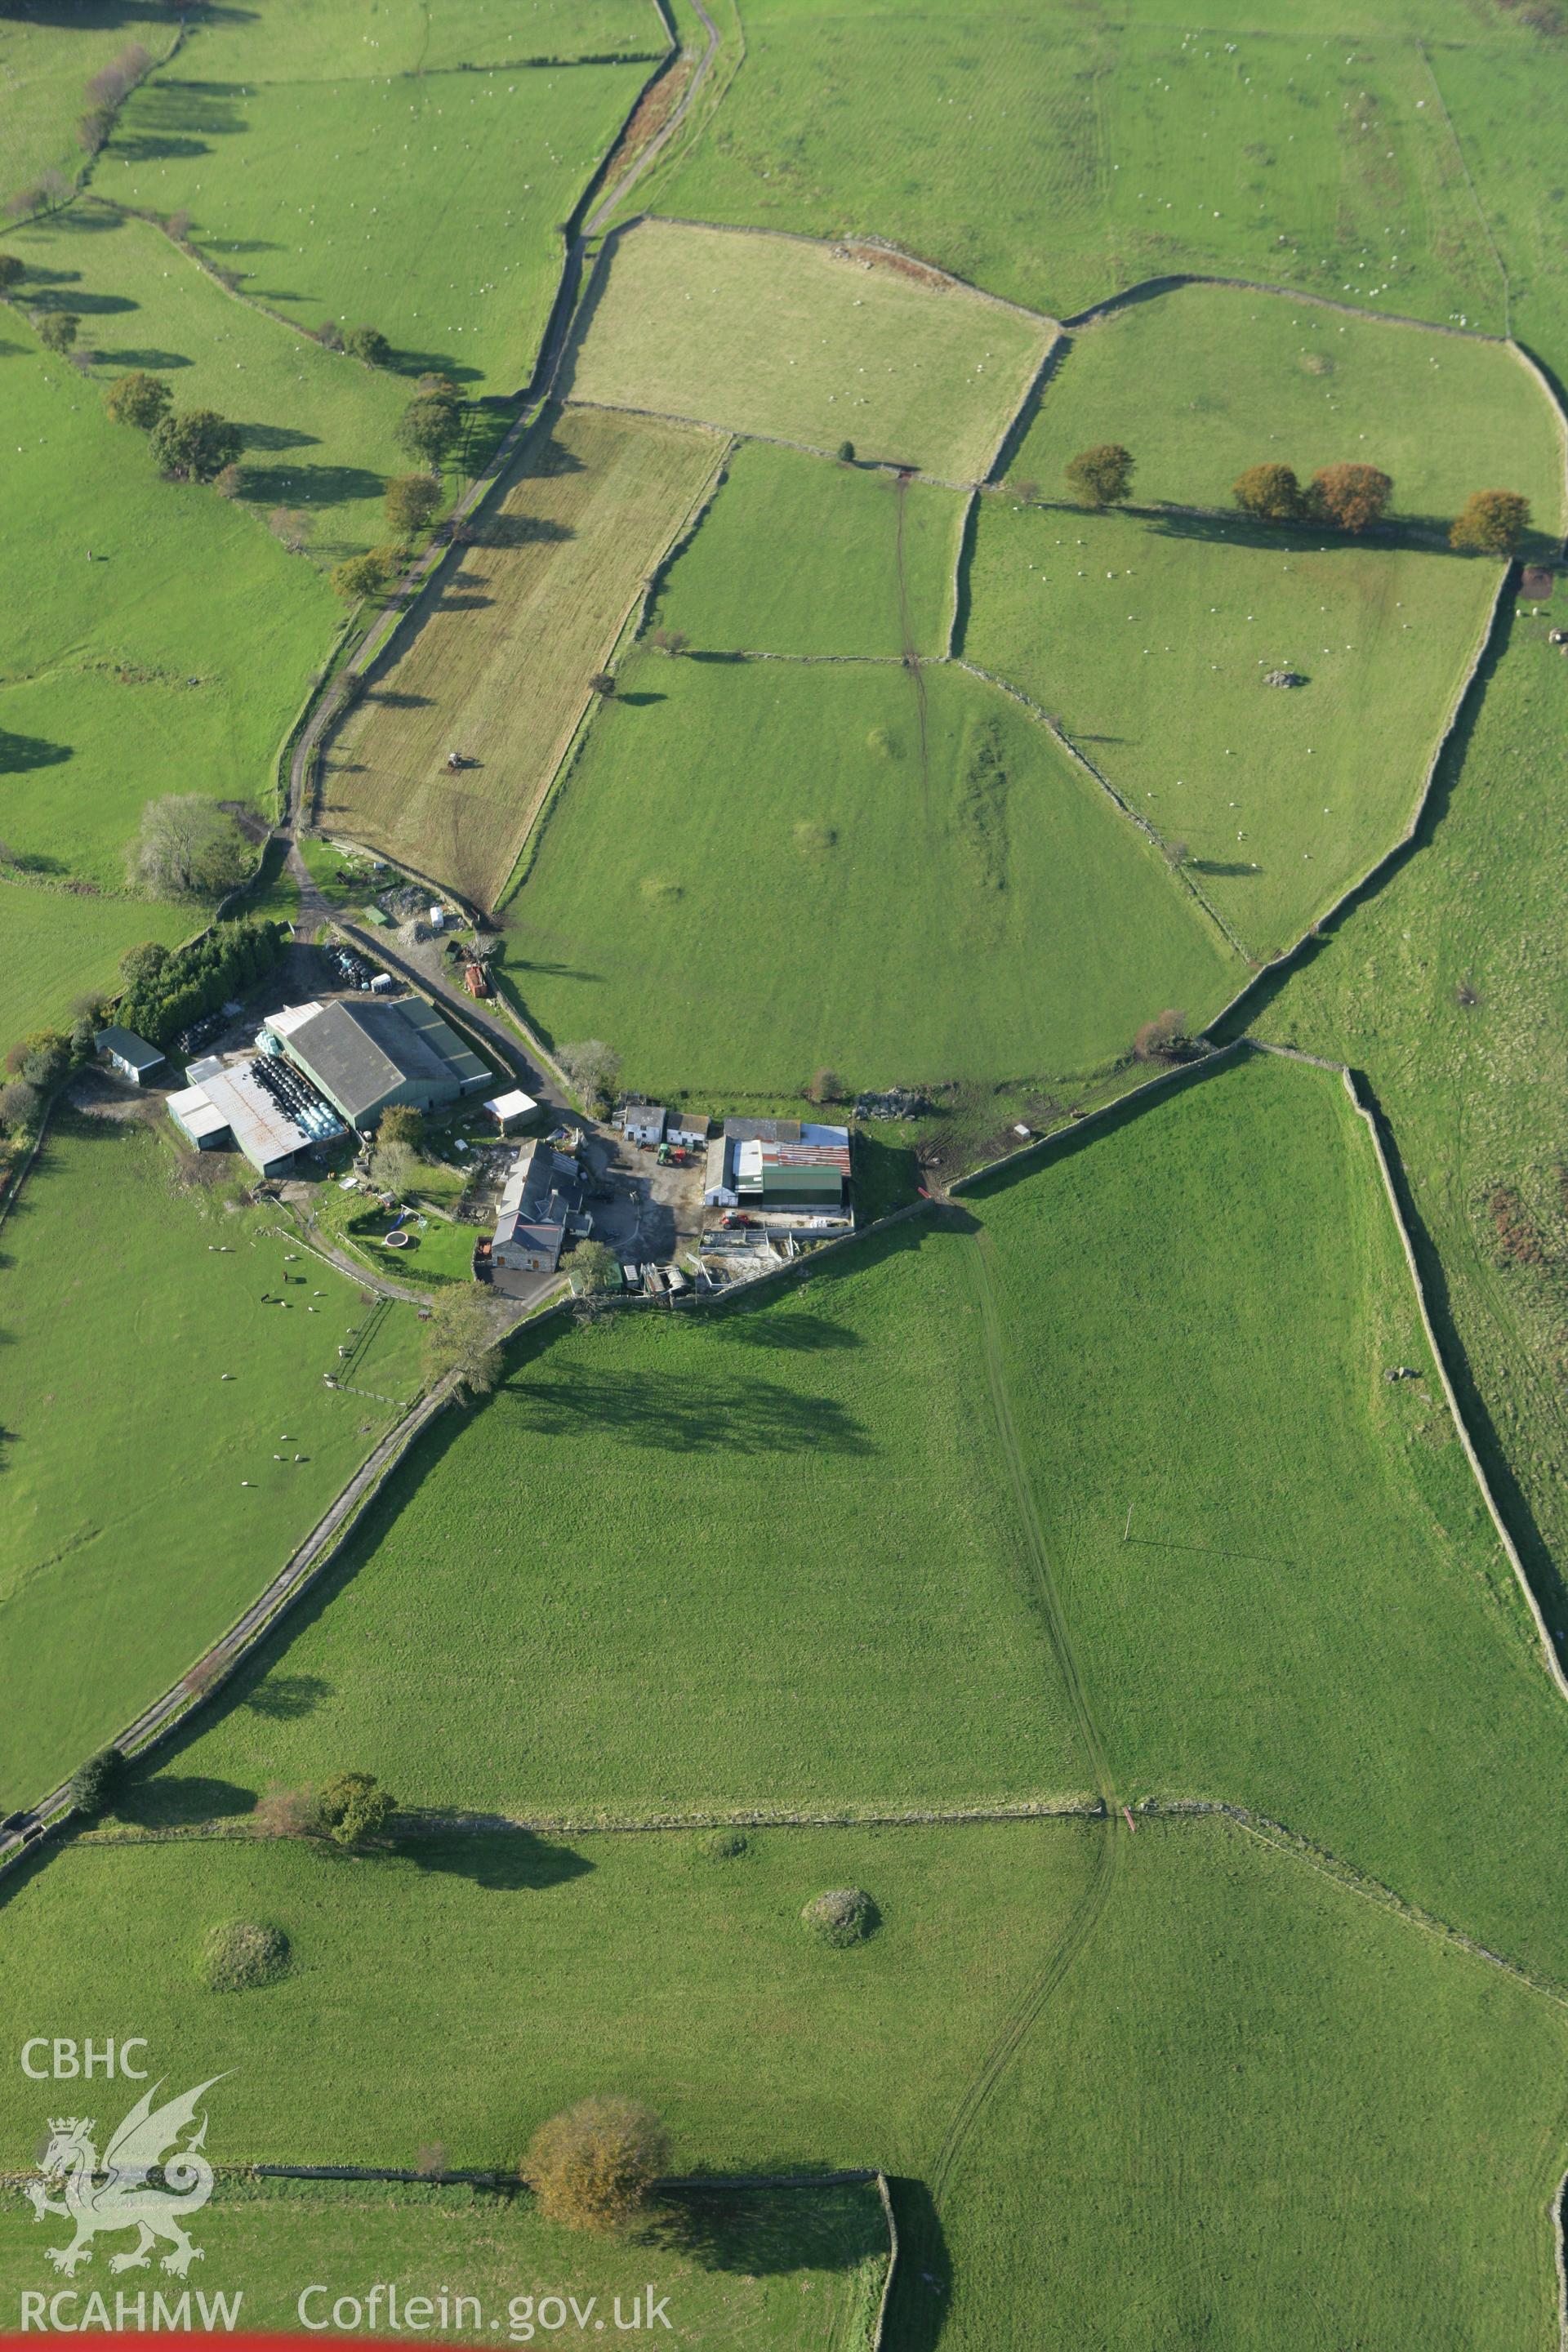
(925, 2259)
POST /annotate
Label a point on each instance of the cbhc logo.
(64, 2060)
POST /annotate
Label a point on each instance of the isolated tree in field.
(1102, 477)
(463, 1338)
(1177, 855)
(1164, 1039)
(12, 272)
(95, 1784)
(359, 576)
(187, 847)
(292, 525)
(847, 453)
(602, 684)
(195, 444)
(179, 227)
(1027, 491)
(591, 2168)
(369, 344)
(353, 1808)
(671, 641)
(1490, 522)
(138, 399)
(1269, 491)
(430, 427)
(826, 1086)
(58, 330)
(592, 1067)
(1354, 497)
(411, 500)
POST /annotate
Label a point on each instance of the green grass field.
(902, 878)
(758, 335)
(1325, 2123)
(495, 663)
(317, 426)
(375, 40)
(1222, 1639)
(878, 1534)
(45, 62)
(1209, 379)
(408, 178)
(173, 661)
(787, 2270)
(798, 557)
(130, 1541)
(1057, 160)
(1152, 641)
(55, 945)
(1448, 989)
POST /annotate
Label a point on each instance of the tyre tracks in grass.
(1077, 1929)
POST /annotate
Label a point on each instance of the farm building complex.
(365, 1057)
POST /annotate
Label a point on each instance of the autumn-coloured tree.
(411, 501)
(1352, 496)
(1490, 522)
(1102, 477)
(138, 399)
(1269, 491)
(591, 2168)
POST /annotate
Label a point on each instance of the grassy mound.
(242, 1955)
(843, 1915)
(723, 1846)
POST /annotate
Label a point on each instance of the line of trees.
(165, 991)
(1349, 497)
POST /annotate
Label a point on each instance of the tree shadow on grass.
(302, 484)
(760, 1417)
(761, 2232)
(518, 531)
(501, 1861)
(284, 1698)
(791, 1331)
(131, 355)
(19, 752)
(177, 1801)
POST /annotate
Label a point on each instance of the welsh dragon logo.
(118, 2193)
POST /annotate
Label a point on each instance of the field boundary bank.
(1027, 1813)
(308, 1560)
(632, 623)
(653, 152)
(1382, 867)
(1061, 736)
(1367, 1106)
